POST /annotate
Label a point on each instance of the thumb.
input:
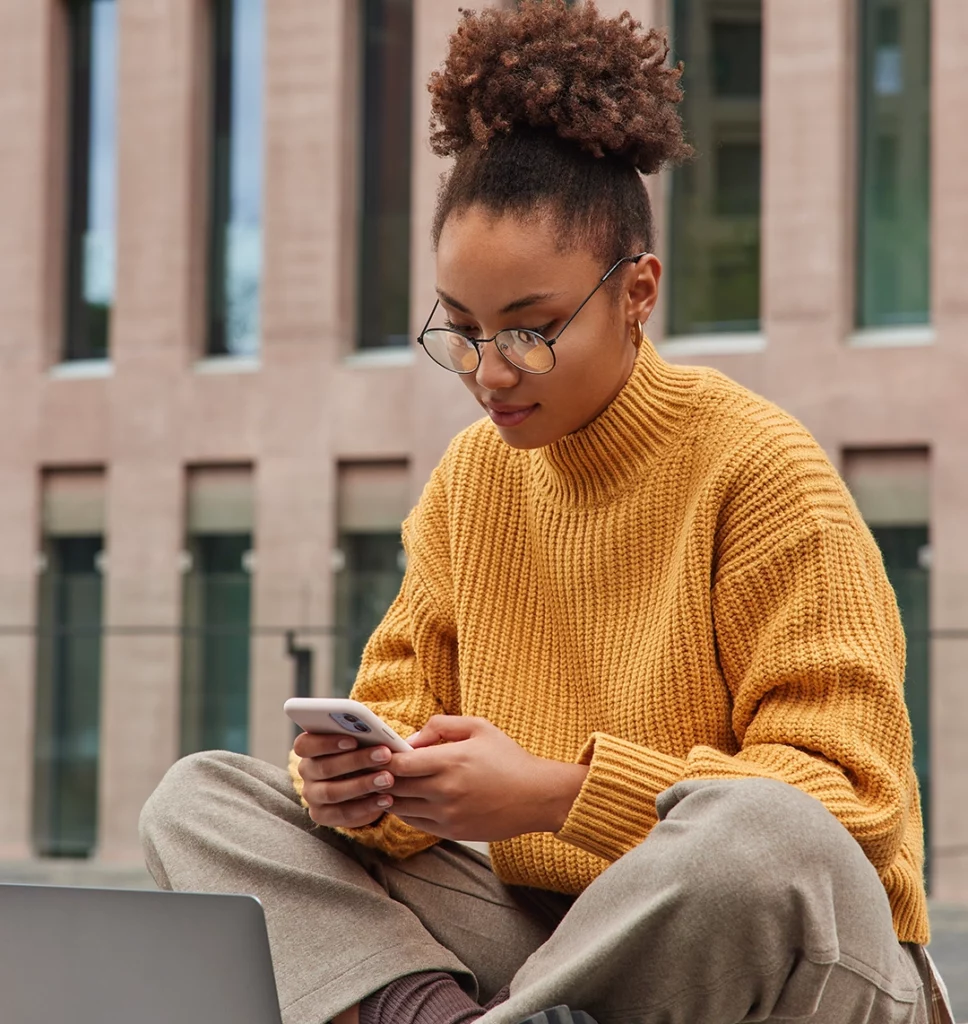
(447, 729)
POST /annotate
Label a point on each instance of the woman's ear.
(643, 290)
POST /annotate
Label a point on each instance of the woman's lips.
(509, 415)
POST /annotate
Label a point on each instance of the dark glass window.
(68, 699)
(235, 241)
(366, 587)
(215, 668)
(92, 167)
(901, 547)
(383, 306)
(894, 200)
(737, 66)
(714, 230)
(892, 488)
(738, 179)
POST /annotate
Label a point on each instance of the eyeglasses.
(527, 350)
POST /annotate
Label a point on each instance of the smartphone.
(341, 716)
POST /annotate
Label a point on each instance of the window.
(891, 489)
(383, 302)
(68, 704)
(715, 216)
(373, 502)
(92, 167)
(235, 240)
(217, 611)
(894, 180)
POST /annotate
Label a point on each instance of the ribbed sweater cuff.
(392, 836)
(615, 809)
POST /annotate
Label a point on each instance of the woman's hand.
(341, 781)
(478, 784)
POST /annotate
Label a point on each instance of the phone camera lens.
(351, 718)
(360, 727)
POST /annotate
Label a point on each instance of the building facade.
(215, 256)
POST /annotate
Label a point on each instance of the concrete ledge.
(729, 343)
(81, 369)
(66, 871)
(228, 364)
(914, 336)
(377, 358)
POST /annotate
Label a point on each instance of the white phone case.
(343, 717)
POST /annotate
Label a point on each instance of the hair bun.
(602, 83)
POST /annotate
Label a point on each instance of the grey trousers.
(747, 902)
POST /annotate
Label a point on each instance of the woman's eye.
(460, 328)
(543, 331)
(471, 331)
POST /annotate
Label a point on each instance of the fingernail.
(381, 755)
(382, 780)
(384, 801)
(347, 744)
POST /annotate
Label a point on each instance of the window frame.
(222, 101)
(77, 343)
(863, 196)
(376, 262)
(729, 126)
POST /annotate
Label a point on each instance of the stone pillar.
(28, 271)
(949, 589)
(154, 338)
(807, 212)
(306, 328)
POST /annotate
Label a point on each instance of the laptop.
(119, 956)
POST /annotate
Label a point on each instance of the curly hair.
(554, 108)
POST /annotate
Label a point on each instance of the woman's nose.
(495, 372)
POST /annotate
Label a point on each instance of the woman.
(645, 646)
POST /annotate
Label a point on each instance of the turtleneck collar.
(602, 458)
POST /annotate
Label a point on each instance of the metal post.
(302, 667)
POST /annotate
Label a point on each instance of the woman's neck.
(615, 448)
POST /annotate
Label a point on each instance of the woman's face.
(501, 272)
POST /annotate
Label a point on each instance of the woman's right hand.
(342, 782)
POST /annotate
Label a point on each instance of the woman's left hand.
(468, 780)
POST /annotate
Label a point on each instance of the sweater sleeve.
(409, 667)
(811, 647)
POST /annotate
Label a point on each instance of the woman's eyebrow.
(511, 307)
(529, 300)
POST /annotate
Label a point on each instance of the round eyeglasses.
(529, 351)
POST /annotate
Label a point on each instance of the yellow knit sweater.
(682, 589)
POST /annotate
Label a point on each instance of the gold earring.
(637, 335)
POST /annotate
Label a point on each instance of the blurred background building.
(214, 257)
